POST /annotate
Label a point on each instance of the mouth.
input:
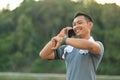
(78, 29)
(77, 32)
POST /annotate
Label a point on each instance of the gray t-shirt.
(80, 64)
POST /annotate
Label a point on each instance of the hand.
(53, 42)
(64, 31)
(56, 42)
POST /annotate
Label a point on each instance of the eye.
(79, 22)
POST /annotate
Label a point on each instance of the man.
(82, 53)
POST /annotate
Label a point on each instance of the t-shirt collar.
(91, 39)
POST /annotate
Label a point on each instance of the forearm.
(47, 52)
(78, 43)
(83, 44)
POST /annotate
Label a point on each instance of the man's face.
(81, 26)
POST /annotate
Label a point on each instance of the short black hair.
(88, 18)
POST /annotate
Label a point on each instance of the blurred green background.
(25, 30)
(45, 76)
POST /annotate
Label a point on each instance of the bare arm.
(84, 44)
(47, 52)
(81, 44)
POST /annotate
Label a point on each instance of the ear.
(90, 24)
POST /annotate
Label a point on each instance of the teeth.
(77, 31)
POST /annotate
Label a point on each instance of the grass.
(34, 76)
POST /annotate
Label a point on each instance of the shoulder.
(101, 46)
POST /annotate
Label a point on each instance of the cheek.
(85, 30)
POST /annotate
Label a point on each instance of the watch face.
(71, 33)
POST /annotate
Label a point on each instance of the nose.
(75, 28)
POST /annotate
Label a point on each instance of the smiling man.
(81, 53)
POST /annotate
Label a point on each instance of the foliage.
(25, 30)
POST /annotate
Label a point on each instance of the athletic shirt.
(80, 64)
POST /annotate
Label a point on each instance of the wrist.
(64, 40)
(61, 35)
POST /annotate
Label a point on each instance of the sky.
(109, 1)
(12, 4)
(15, 3)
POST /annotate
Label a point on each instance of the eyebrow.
(77, 21)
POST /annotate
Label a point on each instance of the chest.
(77, 55)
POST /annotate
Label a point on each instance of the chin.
(80, 36)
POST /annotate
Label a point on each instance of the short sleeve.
(96, 58)
(59, 52)
(101, 48)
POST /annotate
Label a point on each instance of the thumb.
(56, 46)
(53, 42)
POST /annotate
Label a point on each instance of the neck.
(85, 37)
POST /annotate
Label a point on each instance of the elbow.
(46, 56)
(41, 56)
(95, 50)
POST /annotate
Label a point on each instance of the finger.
(57, 46)
(53, 43)
(68, 28)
